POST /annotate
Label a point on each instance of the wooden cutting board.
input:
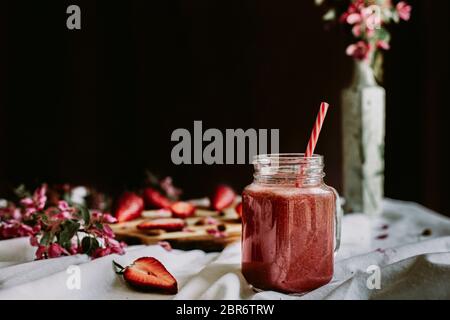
(196, 238)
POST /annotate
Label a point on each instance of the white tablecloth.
(411, 265)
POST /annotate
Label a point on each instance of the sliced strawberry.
(155, 199)
(239, 209)
(222, 198)
(167, 224)
(182, 210)
(129, 207)
(148, 274)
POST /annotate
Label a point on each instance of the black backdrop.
(97, 106)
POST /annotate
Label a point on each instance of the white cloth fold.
(410, 265)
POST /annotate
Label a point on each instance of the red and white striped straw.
(316, 130)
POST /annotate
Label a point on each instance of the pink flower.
(354, 8)
(360, 50)
(383, 45)
(117, 249)
(101, 252)
(7, 231)
(36, 229)
(63, 215)
(37, 202)
(404, 10)
(65, 211)
(371, 17)
(109, 218)
(63, 205)
(40, 252)
(40, 197)
(96, 215)
(55, 250)
(16, 214)
(27, 202)
(14, 229)
(102, 217)
(24, 230)
(108, 231)
(171, 191)
(29, 212)
(34, 241)
(74, 248)
(353, 18)
(115, 246)
(356, 30)
(6, 212)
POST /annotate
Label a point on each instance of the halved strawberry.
(155, 199)
(167, 224)
(129, 207)
(148, 274)
(239, 209)
(182, 209)
(223, 197)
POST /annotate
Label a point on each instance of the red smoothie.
(288, 236)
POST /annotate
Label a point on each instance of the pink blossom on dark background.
(383, 45)
(368, 20)
(169, 189)
(404, 10)
(40, 252)
(109, 218)
(360, 50)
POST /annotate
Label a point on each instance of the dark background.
(98, 106)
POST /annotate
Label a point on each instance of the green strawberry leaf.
(118, 268)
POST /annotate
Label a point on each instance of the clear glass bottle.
(290, 224)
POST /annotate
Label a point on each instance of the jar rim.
(286, 157)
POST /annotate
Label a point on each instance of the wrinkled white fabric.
(411, 266)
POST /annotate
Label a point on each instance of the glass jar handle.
(337, 218)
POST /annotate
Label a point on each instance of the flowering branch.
(59, 230)
(368, 20)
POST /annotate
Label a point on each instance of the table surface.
(410, 265)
